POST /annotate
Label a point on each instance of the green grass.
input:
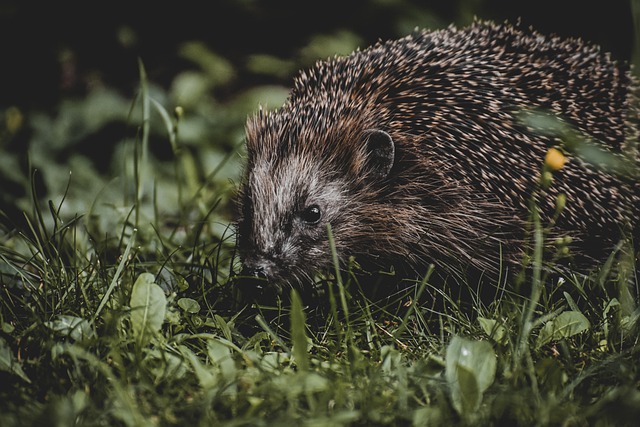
(138, 324)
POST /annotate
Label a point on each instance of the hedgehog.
(414, 152)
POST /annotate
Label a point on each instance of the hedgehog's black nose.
(253, 281)
(258, 267)
(256, 276)
(256, 279)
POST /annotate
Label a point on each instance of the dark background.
(34, 34)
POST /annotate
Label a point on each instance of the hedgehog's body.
(415, 152)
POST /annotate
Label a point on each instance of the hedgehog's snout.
(257, 273)
(256, 277)
(258, 267)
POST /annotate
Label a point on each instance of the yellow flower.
(555, 160)
(13, 119)
(178, 112)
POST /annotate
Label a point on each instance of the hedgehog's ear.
(380, 152)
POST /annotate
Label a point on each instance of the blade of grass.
(415, 302)
(298, 333)
(116, 276)
(141, 159)
(260, 320)
(527, 323)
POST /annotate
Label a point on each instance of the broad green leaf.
(206, 376)
(164, 364)
(189, 305)
(221, 355)
(324, 45)
(298, 333)
(273, 361)
(8, 362)
(391, 359)
(148, 306)
(572, 304)
(270, 65)
(302, 384)
(219, 322)
(470, 368)
(189, 87)
(314, 383)
(468, 397)
(628, 323)
(494, 330)
(567, 324)
(76, 328)
(428, 416)
(218, 69)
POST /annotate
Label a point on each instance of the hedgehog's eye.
(311, 214)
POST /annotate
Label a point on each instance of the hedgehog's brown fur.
(464, 164)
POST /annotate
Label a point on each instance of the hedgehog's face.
(289, 199)
(286, 207)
